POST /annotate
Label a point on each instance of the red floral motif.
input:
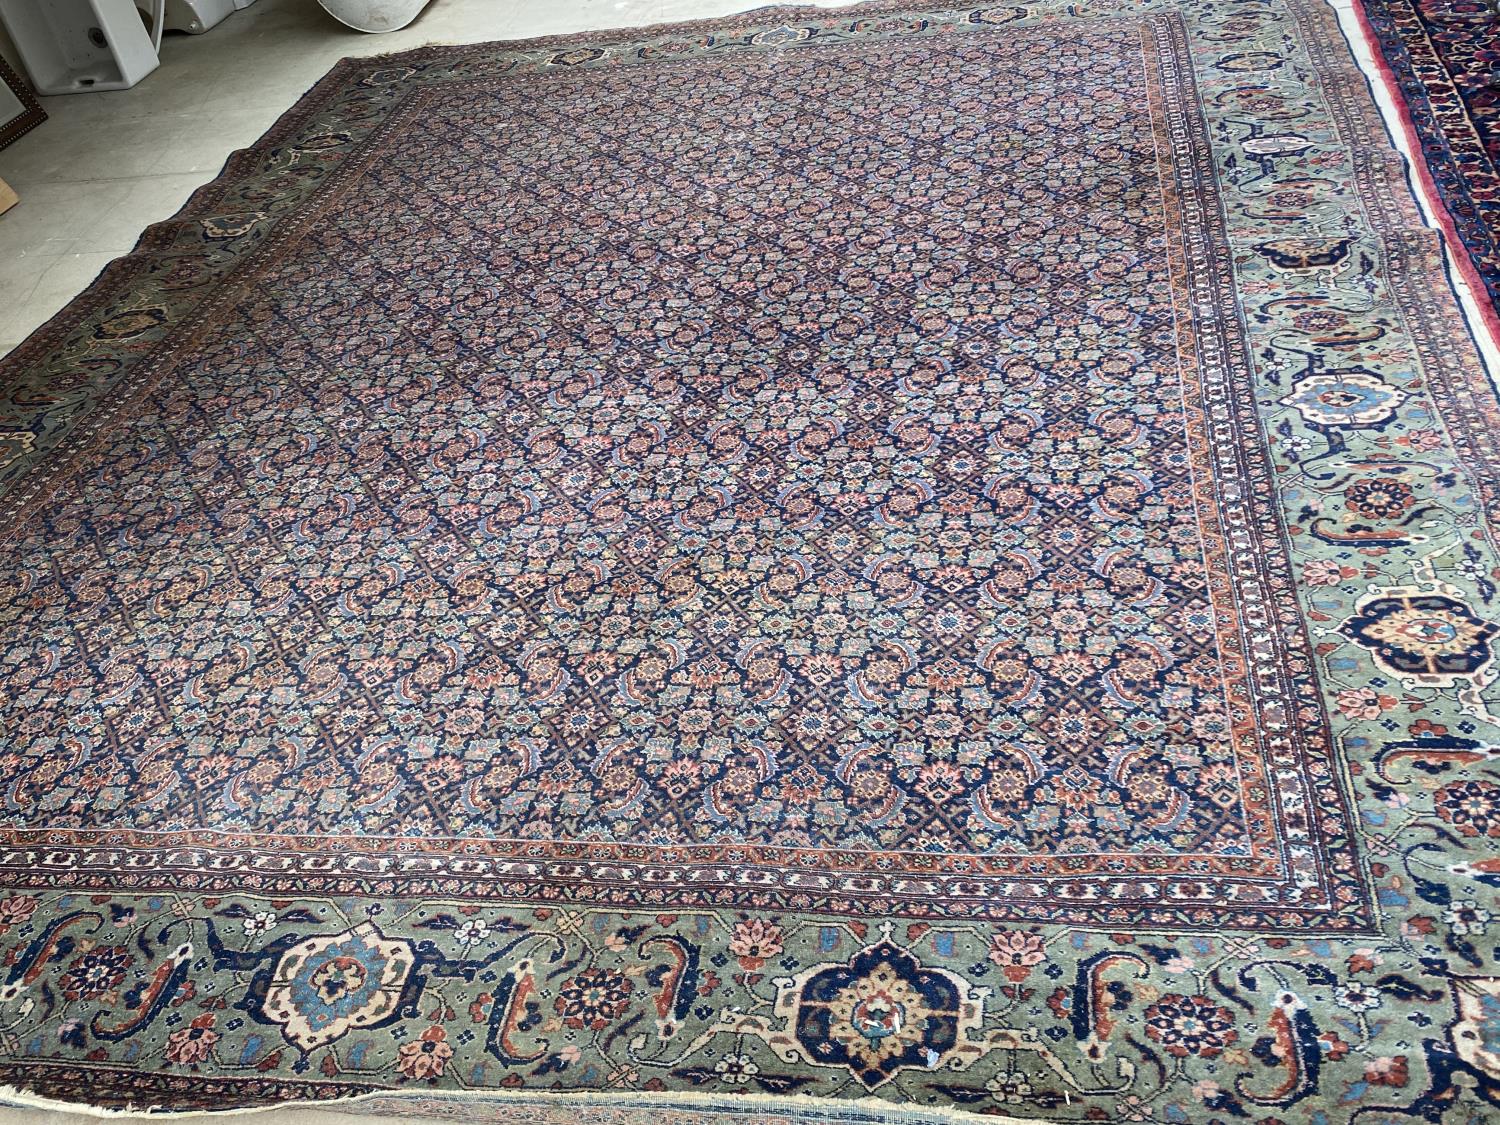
(96, 972)
(1332, 1046)
(755, 942)
(1190, 1025)
(1472, 806)
(427, 1057)
(1364, 703)
(15, 910)
(1325, 572)
(1378, 498)
(1017, 952)
(593, 999)
(191, 1045)
(1387, 1071)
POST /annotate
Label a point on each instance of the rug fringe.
(569, 1107)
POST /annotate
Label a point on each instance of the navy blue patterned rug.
(1440, 58)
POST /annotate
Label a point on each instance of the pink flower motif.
(192, 1044)
(1322, 572)
(427, 1057)
(1206, 1089)
(1364, 703)
(1387, 1071)
(1017, 952)
(754, 942)
(1423, 441)
(15, 910)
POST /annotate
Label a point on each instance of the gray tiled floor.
(107, 165)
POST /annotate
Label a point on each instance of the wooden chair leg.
(8, 197)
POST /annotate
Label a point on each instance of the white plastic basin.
(374, 15)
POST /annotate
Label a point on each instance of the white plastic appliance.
(73, 46)
(374, 15)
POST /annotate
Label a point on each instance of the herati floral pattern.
(923, 560)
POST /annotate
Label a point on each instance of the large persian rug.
(889, 565)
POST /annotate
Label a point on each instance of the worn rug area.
(865, 566)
